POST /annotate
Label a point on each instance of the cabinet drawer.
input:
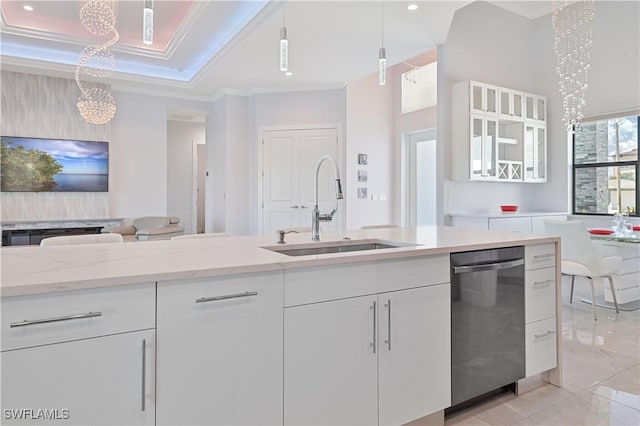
(540, 346)
(341, 281)
(540, 294)
(513, 224)
(539, 256)
(42, 319)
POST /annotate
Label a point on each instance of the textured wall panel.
(45, 107)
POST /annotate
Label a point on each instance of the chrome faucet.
(316, 217)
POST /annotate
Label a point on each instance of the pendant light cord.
(382, 23)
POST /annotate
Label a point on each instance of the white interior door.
(281, 186)
(288, 167)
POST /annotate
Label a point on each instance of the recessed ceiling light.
(412, 6)
(28, 8)
(288, 73)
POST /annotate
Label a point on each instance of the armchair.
(149, 228)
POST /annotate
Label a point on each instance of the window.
(605, 167)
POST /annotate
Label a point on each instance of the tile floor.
(601, 362)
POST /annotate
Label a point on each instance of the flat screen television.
(53, 165)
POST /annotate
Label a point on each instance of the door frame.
(407, 196)
(260, 165)
(194, 185)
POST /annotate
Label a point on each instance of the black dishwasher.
(487, 323)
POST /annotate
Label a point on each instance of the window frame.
(632, 163)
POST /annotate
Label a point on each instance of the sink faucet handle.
(282, 233)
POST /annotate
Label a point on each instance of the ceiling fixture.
(28, 8)
(96, 105)
(147, 22)
(572, 22)
(412, 7)
(382, 53)
(284, 44)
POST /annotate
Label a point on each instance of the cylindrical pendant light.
(284, 44)
(382, 53)
(382, 66)
(147, 22)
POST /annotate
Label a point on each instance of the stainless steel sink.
(335, 247)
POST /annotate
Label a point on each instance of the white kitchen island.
(222, 331)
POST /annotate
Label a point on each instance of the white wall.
(370, 130)
(45, 107)
(290, 109)
(489, 44)
(180, 138)
(215, 181)
(614, 85)
(238, 166)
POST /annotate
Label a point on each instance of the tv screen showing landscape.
(53, 165)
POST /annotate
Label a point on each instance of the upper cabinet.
(483, 98)
(510, 104)
(497, 134)
(536, 108)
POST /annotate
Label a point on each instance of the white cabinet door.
(414, 353)
(220, 350)
(535, 152)
(98, 381)
(330, 368)
(535, 108)
(483, 137)
(511, 104)
(483, 98)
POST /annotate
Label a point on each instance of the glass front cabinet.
(506, 137)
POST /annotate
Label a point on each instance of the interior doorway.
(199, 180)
(419, 165)
(287, 171)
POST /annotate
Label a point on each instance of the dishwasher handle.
(488, 266)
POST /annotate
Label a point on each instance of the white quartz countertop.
(34, 269)
(499, 214)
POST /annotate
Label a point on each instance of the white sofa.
(149, 228)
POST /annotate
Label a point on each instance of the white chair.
(67, 240)
(378, 226)
(580, 258)
(201, 236)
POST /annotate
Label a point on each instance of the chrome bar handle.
(388, 306)
(144, 375)
(544, 283)
(488, 266)
(374, 307)
(56, 319)
(545, 334)
(543, 256)
(228, 296)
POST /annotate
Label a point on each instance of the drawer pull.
(143, 405)
(375, 320)
(228, 296)
(543, 283)
(543, 256)
(545, 334)
(56, 319)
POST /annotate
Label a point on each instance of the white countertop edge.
(497, 214)
(263, 260)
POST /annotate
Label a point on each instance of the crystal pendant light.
(572, 22)
(382, 53)
(147, 22)
(284, 45)
(96, 104)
